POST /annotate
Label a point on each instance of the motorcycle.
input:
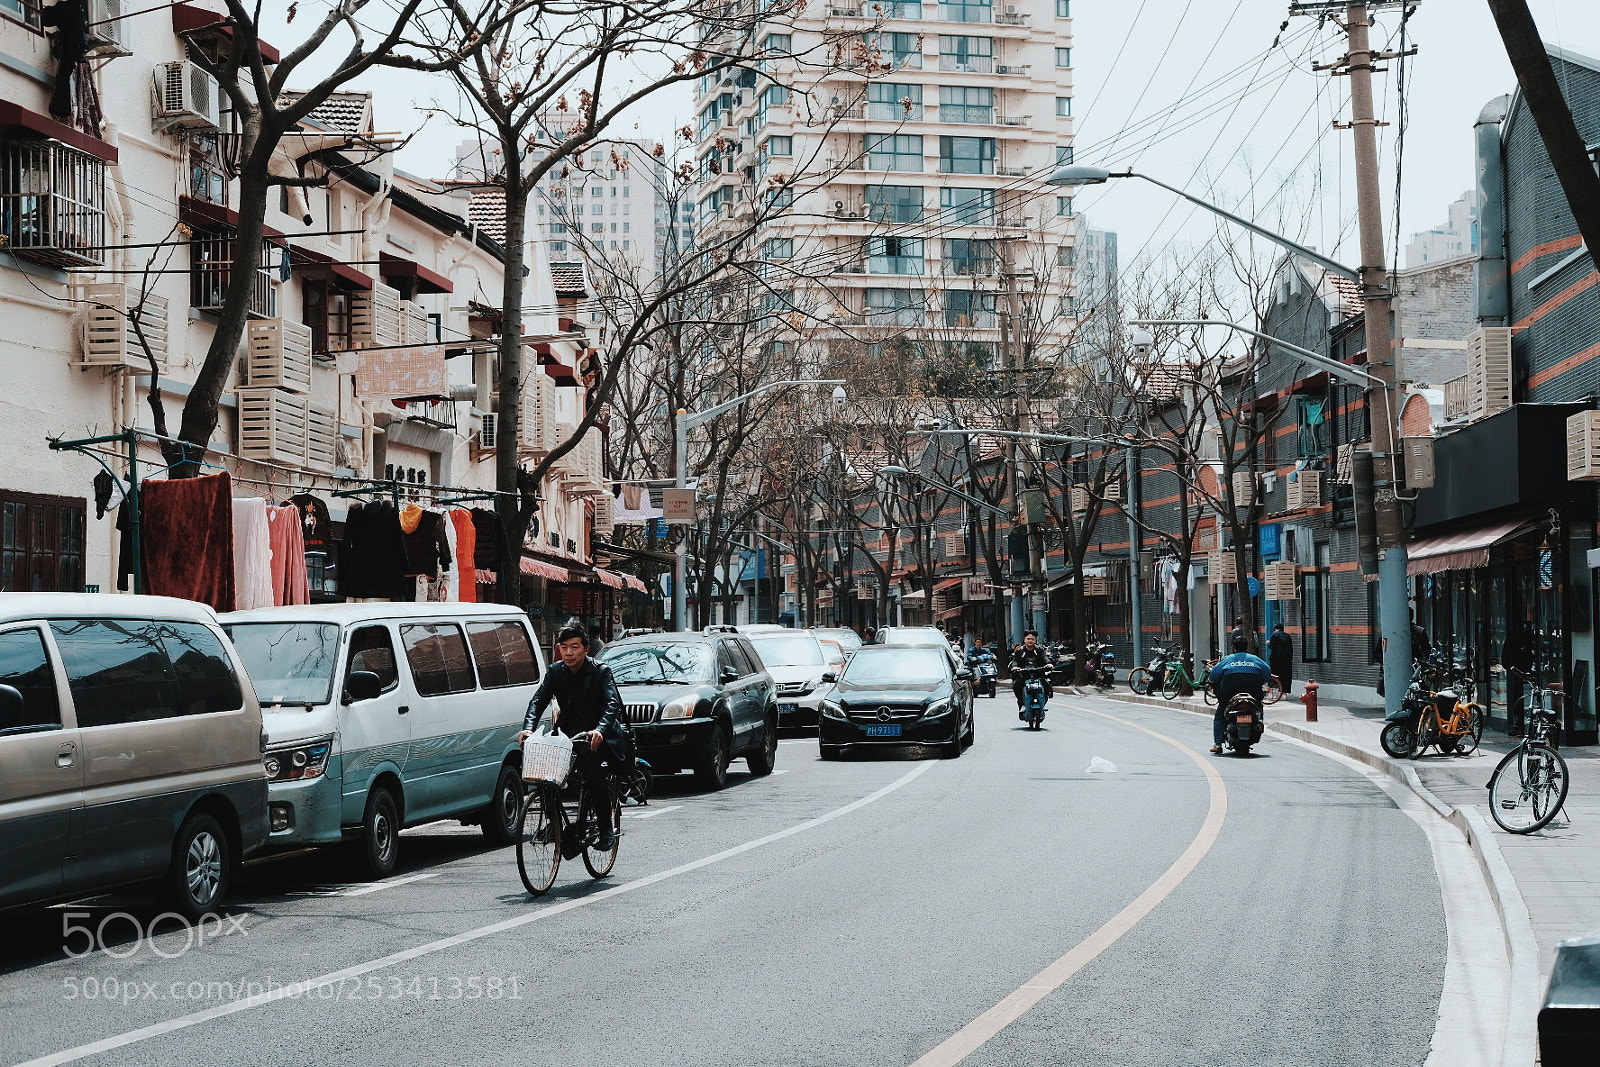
(1149, 678)
(985, 672)
(1101, 665)
(1063, 664)
(1033, 695)
(1246, 724)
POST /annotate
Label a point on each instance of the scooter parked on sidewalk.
(1101, 666)
(1148, 679)
(985, 672)
(1033, 695)
(1246, 724)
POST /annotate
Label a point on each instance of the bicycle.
(1453, 724)
(1177, 679)
(1529, 801)
(1143, 680)
(546, 824)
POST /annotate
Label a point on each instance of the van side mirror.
(829, 676)
(729, 675)
(362, 685)
(10, 707)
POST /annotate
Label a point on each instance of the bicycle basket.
(546, 758)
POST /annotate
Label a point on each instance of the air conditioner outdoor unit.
(186, 97)
(1280, 583)
(1244, 489)
(109, 337)
(105, 28)
(279, 355)
(1488, 371)
(1305, 490)
(273, 426)
(489, 431)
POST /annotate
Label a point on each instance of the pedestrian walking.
(1280, 657)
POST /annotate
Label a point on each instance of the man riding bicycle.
(590, 713)
(1238, 672)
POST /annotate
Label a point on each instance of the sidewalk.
(1546, 886)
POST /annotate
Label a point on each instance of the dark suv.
(697, 701)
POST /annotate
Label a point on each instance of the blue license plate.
(788, 709)
(891, 730)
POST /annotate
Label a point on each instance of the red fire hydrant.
(1309, 699)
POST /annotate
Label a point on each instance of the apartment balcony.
(966, 64)
(1020, 71)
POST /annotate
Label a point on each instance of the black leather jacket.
(588, 698)
(1022, 659)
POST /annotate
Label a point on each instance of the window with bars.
(52, 203)
(41, 543)
(24, 11)
(211, 265)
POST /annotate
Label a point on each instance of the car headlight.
(832, 709)
(936, 709)
(304, 759)
(681, 708)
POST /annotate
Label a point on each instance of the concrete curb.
(1520, 1047)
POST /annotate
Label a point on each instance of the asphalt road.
(852, 913)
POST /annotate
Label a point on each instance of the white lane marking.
(970, 1038)
(784, 771)
(300, 989)
(798, 741)
(390, 884)
(654, 812)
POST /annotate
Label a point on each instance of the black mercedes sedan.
(898, 696)
(697, 701)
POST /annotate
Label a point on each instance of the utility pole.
(1021, 418)
(1394, 610)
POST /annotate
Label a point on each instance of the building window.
(958, 103)
(1064, 206)
(894, 102)
(780, 146)
(971, 54)
(1067, 256)
(325, 307)
(1063, 57)
(1063, 155)
(897, 49)
(894, 151)
(966, 207)
(966, 155)
(1063, 9)
(1063, 107)
(558, 246)
(895, 255)
(779, 248)
(969, 309)
(211, 265)
(53, 203)
(894, 203)
(895, 307)
(966, 10)
(965, 255)
(1311, 422)
(41, 543)
(558, 227)
(1314, 608)
(780, 43)
(24, 11)
(597, 227)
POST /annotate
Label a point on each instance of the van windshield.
(288, 662)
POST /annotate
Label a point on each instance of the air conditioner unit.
(1080, 498)
(1113, 490)
(1418, 452)
(186, 97)
(538, 430)
(415, 327)
(279, 355)
(1343, 464)
(604, 515)
(1305, 490)
(1280, 581)
(1488, 371)
(109, 339)
(375, 318)
(489, 431)
(105, 28)
(1244, 489)
(1221, 567)
(322, 439)
(1583, 447)
(273, 426)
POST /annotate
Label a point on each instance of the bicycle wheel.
(1140, 680)
(1427, 734)
(600, 863)
(1207, 693)
(539, 843)
(1172, 684)
(633, 786)
(1396, 739)
(1528, 788)
(1467, 743)
(1274, 692)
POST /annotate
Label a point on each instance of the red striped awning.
(1460, 550)
(939, 616)
(609, 578)
(947, 583)
(541, 569)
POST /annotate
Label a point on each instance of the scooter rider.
(1238, 672)
(1026, 656)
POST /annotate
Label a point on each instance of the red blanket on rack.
(186, 538)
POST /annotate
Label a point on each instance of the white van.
(381, 716)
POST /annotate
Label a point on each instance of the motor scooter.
(1101, 666)
(1245, 722)
(1063, 663)
(985, 671)
(1033, 695)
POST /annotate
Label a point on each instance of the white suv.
(796, 662)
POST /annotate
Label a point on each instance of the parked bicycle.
(1452, 723)
(1529, 786)
(1177, 679)
(1425, 701)
(1145, 680)
(554, 828)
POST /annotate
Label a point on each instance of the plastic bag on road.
(1101, 766)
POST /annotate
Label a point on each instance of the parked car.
(381, 716)
(130, 751)
(898, 695)
(697, 701)
(795, 660)
(846, 638)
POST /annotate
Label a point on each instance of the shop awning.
(947, 583)
(541, 569)
(633, 581)
(940, 616)
(609, 578)
(916, 595)
(309, 259)
(18, 117)
(1459, 550)
(428, 281)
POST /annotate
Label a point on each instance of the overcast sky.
(1194, 93)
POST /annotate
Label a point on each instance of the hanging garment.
(290, 583)
(633, 498)
(487, 549)
(449, 577)
(107, 494)
(186, 539)
(316, 528)
(372, 557)
(427, 552)
(466, 554)
(252, 554)
(124, 548)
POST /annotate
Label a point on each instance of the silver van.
(386, 715)
(130, 750)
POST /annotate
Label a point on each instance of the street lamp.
(895, 471)
(688, 420)
(1394, 611)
